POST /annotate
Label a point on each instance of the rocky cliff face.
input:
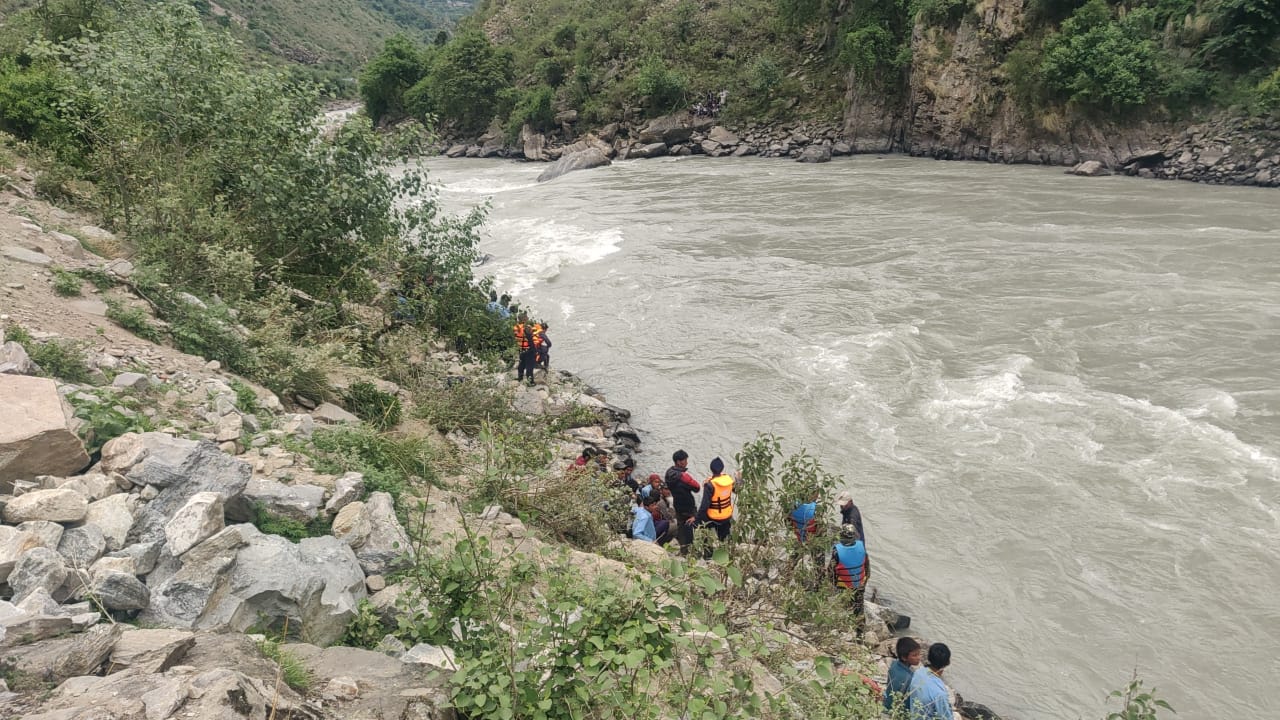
(957, 107)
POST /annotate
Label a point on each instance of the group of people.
(534, 346)
(711, 106)
(666, 509)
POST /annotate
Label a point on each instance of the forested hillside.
(330, 39)
(1052, 63)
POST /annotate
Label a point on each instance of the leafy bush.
(380, 409)
(1138, 703)
(660, 88)
(367, 628)
(96, 276)
(534, 108)
(104, 420)
(388, 464)
(465, 406)
(465, 83)
(132, 319)
(30, 101)
(1267, 93)
(383, 81)
(1099, 63)
(65, 283)
(946, 13)
(62, 359)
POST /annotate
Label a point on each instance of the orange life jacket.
(721, 505)
(535, 339)
(522, 336)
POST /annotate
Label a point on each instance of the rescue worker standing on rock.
(851, 568)
(682, 487)
(717, 501)
(525, 336)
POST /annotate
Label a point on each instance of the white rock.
(114, 517)
(200, 518)
(13, 545)
(330, 414)
(229, 427)
(346, 490)
(131, 380)
(61, 505)
(430, 655)
(49, 533)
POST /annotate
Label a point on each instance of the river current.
(1055, 399)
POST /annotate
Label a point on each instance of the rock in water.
(585, 160)
(1090, 168)
(650, 150)
(532, 143)
(815, 154)
(36, 437)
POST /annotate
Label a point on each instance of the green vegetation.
(107, 416)
(380, 409)
(133, 319)
(389, 464)
(288, 666)
(61, 359)
(1137, 702)
(66, 283)
(294, 530)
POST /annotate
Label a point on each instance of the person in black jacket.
(849, 514)
(682, 487)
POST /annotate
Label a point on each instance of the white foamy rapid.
(1056, 399)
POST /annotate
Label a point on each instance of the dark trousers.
(721, 527)
(684, 532)
(663, 529)
(526, 365)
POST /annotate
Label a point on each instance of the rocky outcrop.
(374, 533)
(673, 129)
(37, 436)
(589, 152)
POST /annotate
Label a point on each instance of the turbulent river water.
(1056, 400)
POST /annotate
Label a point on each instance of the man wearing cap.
(623, 470)
(716, 510)
(849, 514)
(851, 568)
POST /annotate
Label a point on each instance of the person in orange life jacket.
(804, 519)
(543, 359)
(849, 514)
(851, 568)
(717, 500)
(523, 331)
(682, 487)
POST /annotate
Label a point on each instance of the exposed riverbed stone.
(59, 506)
(37, 436)
(199, 519)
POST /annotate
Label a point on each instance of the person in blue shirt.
(642, 527)
(927, 696)
(900, 672)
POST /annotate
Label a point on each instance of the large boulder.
(36, 437)
(723, 136)
(1089, 168)
(672, 129)
(532, 143)
(650, 150)
(180, 468)
(815, 154)
(39, 569)
(297, 502)
(374, 533)
(241, 578)
(591, 158)
(81, 546)
(151, 650)
(346, 490)
(58, 506)
(120, 591)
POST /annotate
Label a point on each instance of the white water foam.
(484, 186)
(543, 248)
(1216, 404)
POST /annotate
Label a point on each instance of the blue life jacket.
(803, 520)
(851, 564)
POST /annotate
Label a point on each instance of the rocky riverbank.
(1236, 151)
(177, 541)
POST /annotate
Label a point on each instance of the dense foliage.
(264, 243)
